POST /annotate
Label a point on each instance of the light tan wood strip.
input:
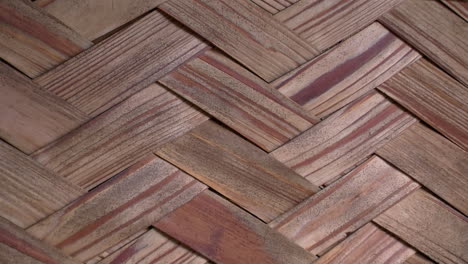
(345, 73)
(433, 96)
(16, 246)
(33, 41)
(368, 245)
(226, 234)
(119, 137)
(125, 63)
(325, 23)
(28, 192)
(434, 31)
(238, 98)
(418, 259)
(245, 32)
(351, 202)
(128, 203)
(238, 170)
(274, 6)
(430, 226)
(433, 161)
(334, 146)
(459, 7)
(30, 118)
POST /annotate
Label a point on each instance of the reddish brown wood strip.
(334, 146)
(226, 234)
(351, 202)
(238, 98)
(127, 62)
(120, 137)
(245, 32)
(33, 41)
(238, 170)
(145, 192)
(348, 71)
(433, 96)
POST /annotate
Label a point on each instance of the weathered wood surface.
(459, 7)
(274, 6)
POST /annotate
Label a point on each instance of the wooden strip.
(430, 226)
(129, 202)
(30, 117)
(274, 6)
(418, 259)
(434, 97)
(16, 246)
(33, 41)
(369, 245)
(238, 170)
(154, 247)
(245, 32)
(93, 19)
(238, 98)
(351, 202)
(120, 137)
(434, 31)
(28, 192)
(226, 234)
(345, 73)
(334, 146)
(433, 161)
(127, 62)
(459, 7)
(325, 23)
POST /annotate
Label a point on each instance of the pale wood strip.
(337, 144)
(226, 234)
(433, 161)
(16, 246)
(28, 192)
(351, 202)
(368, 245)
(433, 96)
(274, 6)
(93, 19)
(435, 31)
(430, 226)
(154, 247)
(123, 64)
(30, 118)
(459, 7)
(325, 23)
(238, 170)
(33, 41)
(238, 98)
(119, 137)
(128, 203)
(345, 73)
(418, 259)
(245, 32)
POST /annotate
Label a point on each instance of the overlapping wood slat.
(236, 132)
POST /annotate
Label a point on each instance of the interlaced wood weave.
(234, 131)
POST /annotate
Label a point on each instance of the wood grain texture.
(245, 32)
(274, 6)
(433, 161)
(430, 226)
(418, 259)
(30, 117)
(119, 137)
(435, 31)
(343, 207)
(434, 97)
(238, 98)
(348, 71)
(459, 7)
(368, 245)
(154, 247)
(337, 144)
(28, 192)
(323, 23)
(238, 170)
(16, 246)
(226, 234)
(93, 19)
(146, 192)
(125, 63)
(33, 41)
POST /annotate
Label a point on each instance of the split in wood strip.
(458, 6)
